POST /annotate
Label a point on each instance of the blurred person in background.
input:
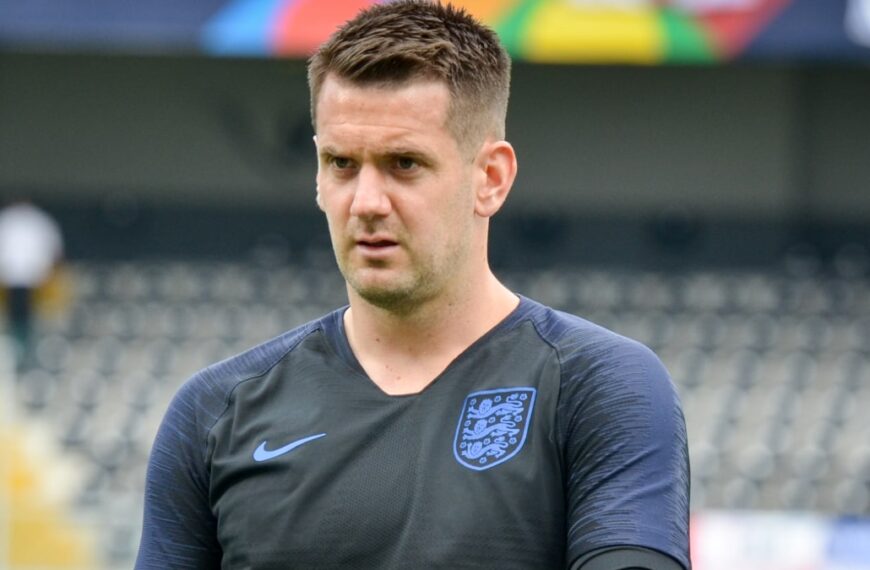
(440, 420)
(31, 246)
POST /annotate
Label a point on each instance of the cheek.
(331, 202)
(461, 204)
(336, 219)
(452, 218)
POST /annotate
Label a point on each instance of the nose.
(370, 198)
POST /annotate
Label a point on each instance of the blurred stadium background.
(693, 173)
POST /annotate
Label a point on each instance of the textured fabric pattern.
(601, 462)
(179, 528)
(625, 444)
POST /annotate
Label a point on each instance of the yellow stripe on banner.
(566, 33)
(489, 11)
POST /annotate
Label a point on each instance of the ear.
(497, 168)
(317, 198)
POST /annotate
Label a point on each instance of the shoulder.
(623, 438)
(205, 395)
(585, 347)
(606, 376)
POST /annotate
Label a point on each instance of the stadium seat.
(773, 368)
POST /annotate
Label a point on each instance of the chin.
(391, 289)
(393, 298)
(381, 295)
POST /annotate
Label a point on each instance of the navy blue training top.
(547, 439)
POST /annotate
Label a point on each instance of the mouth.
(376, 245)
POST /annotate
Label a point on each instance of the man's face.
(396, 190)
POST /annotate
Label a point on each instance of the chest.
(466, 474)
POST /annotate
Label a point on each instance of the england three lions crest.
(493, 426)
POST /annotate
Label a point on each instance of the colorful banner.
(723, 540)
(594, 31)
(547, 31)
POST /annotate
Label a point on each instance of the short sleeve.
(625, 450)
(179, 528)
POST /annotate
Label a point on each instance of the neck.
(435, 331)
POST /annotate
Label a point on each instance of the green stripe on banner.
(511, 28)
(685, 40)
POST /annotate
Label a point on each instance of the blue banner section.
(106, 25)
(241, 28)
(850, 542)
(816, 30)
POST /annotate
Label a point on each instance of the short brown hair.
(401, 41)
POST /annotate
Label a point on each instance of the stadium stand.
(37, 529)
(773, 367)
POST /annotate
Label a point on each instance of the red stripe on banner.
(696, 523)
(730, 31)
(302, 25)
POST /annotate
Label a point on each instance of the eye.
(405, 163)
(340, 162)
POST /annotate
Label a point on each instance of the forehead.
(411, 110)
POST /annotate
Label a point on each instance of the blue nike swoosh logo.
(262, 454)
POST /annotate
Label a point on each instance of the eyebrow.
(396, 151)
(328, 151)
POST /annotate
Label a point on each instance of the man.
(31, 246)
(439, 421)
